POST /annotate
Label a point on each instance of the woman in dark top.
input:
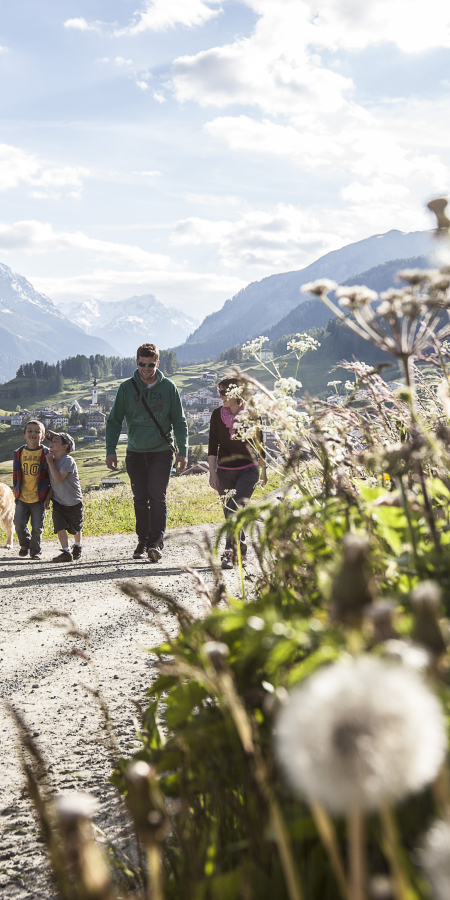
(233, 465)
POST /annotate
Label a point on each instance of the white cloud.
(214, 200)
(277, 240)
(80, 24)
(259, 71)
(414, 25)
(278, 67)
(101, 281)
(4, 49)
(302, 145)
(18, 166)
(59, 177)
(40, 237)
(158, 15)
(142, 85)
(150, 174)
(120, 61)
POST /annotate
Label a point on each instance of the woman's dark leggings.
(243, 483)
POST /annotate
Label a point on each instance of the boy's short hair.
(147, 350)
(33, 422)
(66, 439)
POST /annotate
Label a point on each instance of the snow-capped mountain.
(126, 323)
(32, 327)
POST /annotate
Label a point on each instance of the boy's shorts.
(67, 518)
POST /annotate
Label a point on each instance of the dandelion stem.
(408, 518)
(244, 729)
(429, 511)
(402, 888)
(356, 855)
(241, 570)
(328, 837)
(441, 791)
(154, 871)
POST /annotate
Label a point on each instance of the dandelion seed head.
(435, 859)
(360, 734)
(319, 287)
(441, 281)
(415, 276)
(355, 296)
(75, 805)
(426, 597)
(217, 653)
(411, 655)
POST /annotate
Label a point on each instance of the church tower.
(94, 393)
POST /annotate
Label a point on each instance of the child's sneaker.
(76, 551)
(226, 560)
(24, 550)
(64, 556)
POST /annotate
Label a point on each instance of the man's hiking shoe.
(64, 557)
(141, 550)
(24, 551)
(226, 560)
(76, 551)
(154, 553)
(36, 556)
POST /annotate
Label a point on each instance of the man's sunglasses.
(147, 365)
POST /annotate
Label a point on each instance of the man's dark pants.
(149, 475)
(34, 512)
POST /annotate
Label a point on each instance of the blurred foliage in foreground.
(294, 743)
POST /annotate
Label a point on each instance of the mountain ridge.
(312, 313)
(260, 305)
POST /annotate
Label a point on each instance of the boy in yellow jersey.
(31, 483)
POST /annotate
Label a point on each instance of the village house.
(96, 420)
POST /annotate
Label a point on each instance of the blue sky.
(188, 147)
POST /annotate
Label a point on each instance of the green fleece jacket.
(143, 435)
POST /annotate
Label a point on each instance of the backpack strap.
(155, 420)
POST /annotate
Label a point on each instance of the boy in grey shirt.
(65, 494)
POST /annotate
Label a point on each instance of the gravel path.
(44, 681)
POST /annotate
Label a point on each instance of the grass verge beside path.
(190, 501)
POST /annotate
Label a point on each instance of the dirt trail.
(44, 682)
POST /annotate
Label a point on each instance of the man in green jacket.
(149, 457)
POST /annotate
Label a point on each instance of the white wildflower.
(253, 348)
(333, 383)
(321, 286)
(359, 734)
(302, 344)
(235, 391)
(435, 859)
(287, 385)
(349, 386)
